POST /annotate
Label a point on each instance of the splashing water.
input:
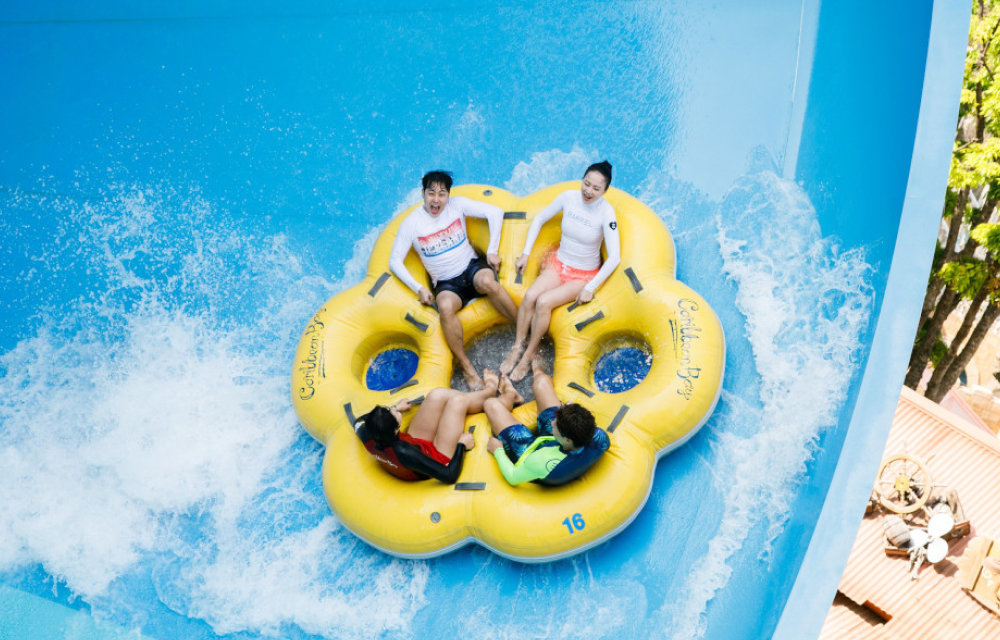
(155, 467)
(805, 304)
(148, 434)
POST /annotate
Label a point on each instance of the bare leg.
(441, 417)
(498, 410)
(507, 390)
(544, 306)
(449, 305)
(547, 280)
(425, 422)
(541, 385)
(452, 424)
(486, 284)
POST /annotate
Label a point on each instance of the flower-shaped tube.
(641, 306)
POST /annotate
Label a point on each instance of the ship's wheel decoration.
(903, 483)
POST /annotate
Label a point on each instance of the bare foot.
(491, 379)
(473, 380)
(511, 359)
(519, 371)
(538, 365)
(507, 389)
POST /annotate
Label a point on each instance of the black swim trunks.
(461, 285)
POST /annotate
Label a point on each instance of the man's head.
(574, 426)
(436, 191)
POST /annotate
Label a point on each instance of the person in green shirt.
(568, 441)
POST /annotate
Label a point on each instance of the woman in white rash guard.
(574, 271)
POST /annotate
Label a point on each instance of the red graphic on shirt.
(442, 241)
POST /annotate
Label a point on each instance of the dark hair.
(576, 423)
(438, 177)
(381, 426)
(604, 168)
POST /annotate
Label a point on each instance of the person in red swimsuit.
(434, 444)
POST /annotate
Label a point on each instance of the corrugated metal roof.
(934, 607)
(848, 620)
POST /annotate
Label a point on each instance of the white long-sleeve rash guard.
(584, 226)
(442, 242)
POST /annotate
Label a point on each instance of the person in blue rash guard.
(435, 443)
(568, 440)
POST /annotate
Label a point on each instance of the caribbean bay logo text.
(314, 364)
(687, 332)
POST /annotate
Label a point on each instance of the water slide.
(183, 184)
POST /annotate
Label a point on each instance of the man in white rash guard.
(436, 231)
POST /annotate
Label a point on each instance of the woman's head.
(596, 180)
(383, 426)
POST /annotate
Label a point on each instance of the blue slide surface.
(182, 184)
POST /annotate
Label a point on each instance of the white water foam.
(150, 437)
(147, 433)
(567, 600)
(806, 304)
(549, 167)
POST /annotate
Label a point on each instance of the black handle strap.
(581, 389)
(594, 318)
(382, 279)
(618, 419)
(416, 323)
(634, 279)
(409, 383)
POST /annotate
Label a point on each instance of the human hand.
(521, 263)
(493, 445)
(467, 440)
(493, 260)
(425, 296)
(403, 405)
(584, 296)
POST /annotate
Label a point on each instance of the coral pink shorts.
(567, 273)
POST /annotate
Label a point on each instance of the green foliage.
(966, 277)
(936, 263)
(939, 351)
(987, 235)
(950, 197)
(976, 162)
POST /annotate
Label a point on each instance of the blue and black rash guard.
(408, 462)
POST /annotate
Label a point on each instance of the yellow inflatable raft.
(641, 305)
